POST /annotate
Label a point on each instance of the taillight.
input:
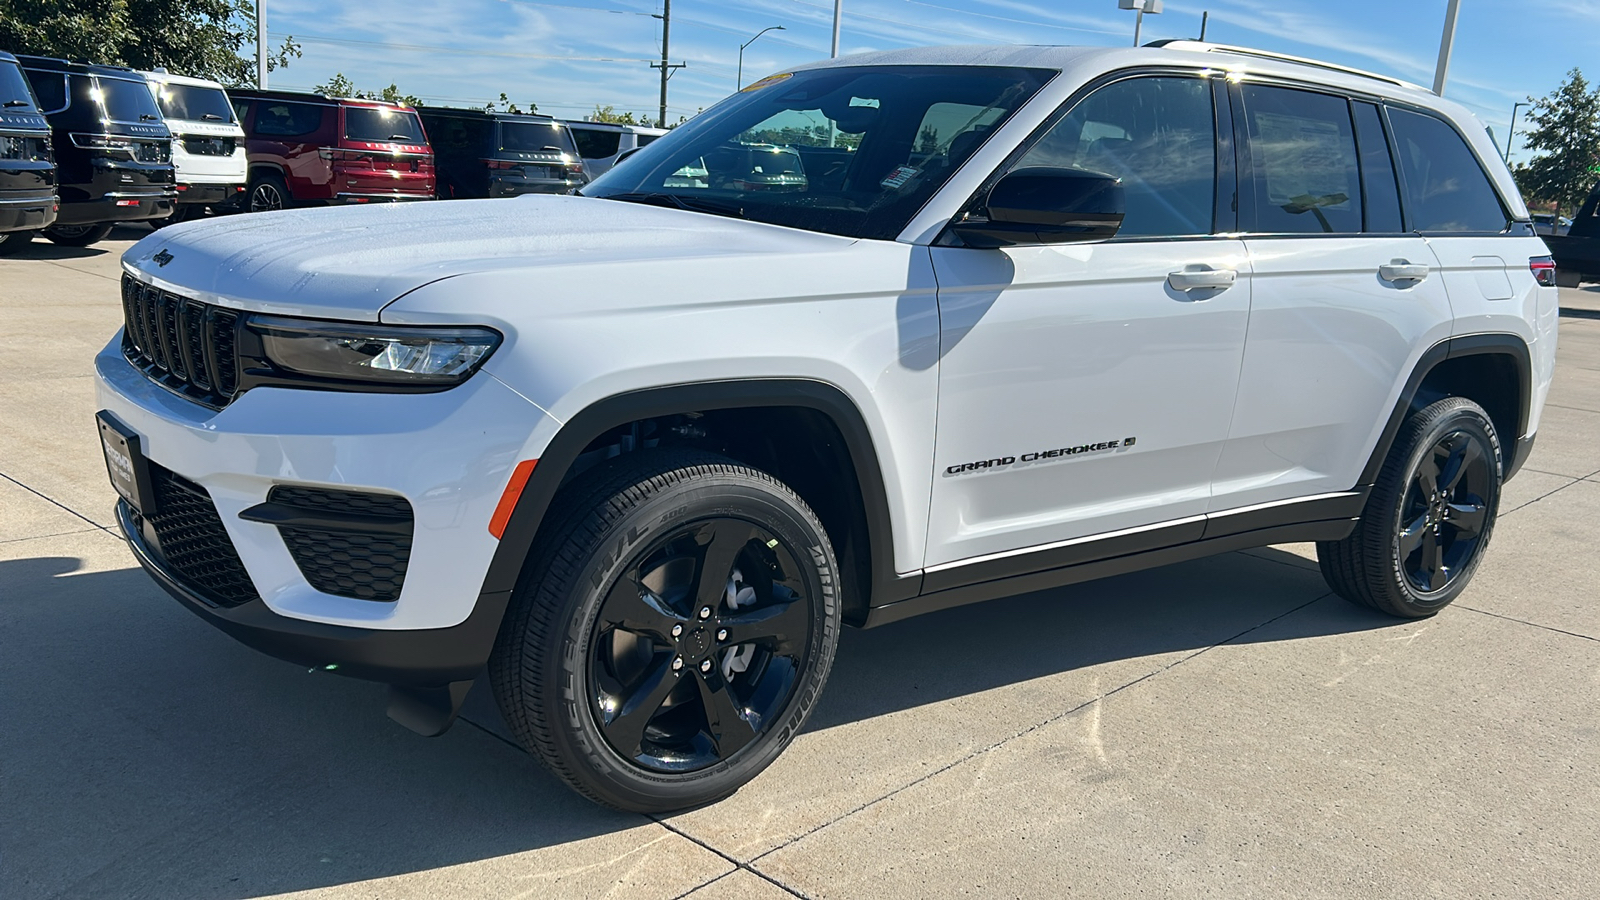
(102, 142)
(501, 164)
(1544, 270)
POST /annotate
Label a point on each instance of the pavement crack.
(737, 863)
(1485, 612)
(56, 503)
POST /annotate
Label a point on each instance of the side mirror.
(1046, 205)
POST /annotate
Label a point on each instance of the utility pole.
(838, 11)
(261, 44)
(1511, 135)
(665, 67)
(1447, 43)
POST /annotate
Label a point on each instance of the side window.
(1304, 173)
(1159, 136)
(1378, 183)
(276, 117)
(50, 88)
(241, 111)
(1446, 188)
(641, 140)
(596, 144)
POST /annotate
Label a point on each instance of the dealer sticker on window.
(898, 178)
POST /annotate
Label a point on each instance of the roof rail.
(1207, 47)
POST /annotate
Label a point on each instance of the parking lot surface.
(1223, 728)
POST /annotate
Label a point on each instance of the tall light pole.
(838, 12)
(1512, 133)
(1447, 43)
(738, 78)
(261, 45)
(1142, 6)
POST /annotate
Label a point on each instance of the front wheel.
(1428, 520)
(77, 235)
(679, 623)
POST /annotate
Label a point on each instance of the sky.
(570, 56)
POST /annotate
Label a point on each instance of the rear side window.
(1304, 170)
(283, 119)
(1445, 186)
(596, 144)
(241, 110)
(642, 139)
(1378, 183)
(382, 125)
(458, 135)
(1159, 136)
(50, 88)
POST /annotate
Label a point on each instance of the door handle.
(1402, 270)
(1202, 277)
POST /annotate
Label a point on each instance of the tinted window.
(642, 139)
(1159, 136)
(241, 111)
(595, 144)
(199, 104)
(1446, 188)
(283, 119)
(123, 101)
(834, 150)
(382, 125)
(532, 137)
(1304, 173)
(458, 135)
(1378, 184)
(14, 87)
(50, 88)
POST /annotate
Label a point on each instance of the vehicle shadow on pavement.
(39, 248)
(148, 754)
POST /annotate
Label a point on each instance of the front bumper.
(449, 454)
(28, 214)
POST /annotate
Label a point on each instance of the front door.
(1086, 388)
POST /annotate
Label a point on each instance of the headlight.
(383, 354)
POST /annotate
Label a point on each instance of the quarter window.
(1159, 136)
(287, 119)
(596, 144)
(1304, 171)
(1446, 188)
(50, 88)
(1377, 171)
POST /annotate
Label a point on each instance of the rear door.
(1344, 302)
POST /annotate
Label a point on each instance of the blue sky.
(570, 55)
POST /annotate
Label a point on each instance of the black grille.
(184, 344)
(190, 537)
(364, 558)
(214, 146)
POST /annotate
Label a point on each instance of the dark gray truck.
(1577, 253)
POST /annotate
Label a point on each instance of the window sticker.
(765, 82)
(898, 178)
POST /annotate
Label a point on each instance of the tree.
(507, 106)
(609, 114)
(340, 86)
(202, 38)
(1568, 130)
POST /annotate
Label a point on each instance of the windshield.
(382, 125)
(194, 103)
(14, 93)
(532, 137)
(123, 101)
(854, 151)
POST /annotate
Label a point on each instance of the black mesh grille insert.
(184, 344)
(191, 539)
(349, 559)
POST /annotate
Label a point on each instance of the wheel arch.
(871, 566)
(1493, 370)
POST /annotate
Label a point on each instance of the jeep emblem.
(162, 258)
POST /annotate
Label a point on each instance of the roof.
(6, 57)
(169, 78)
(52, 64)
(615, 126)
(464, 113)
(306, 97)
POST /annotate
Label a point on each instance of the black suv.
(485, 154)
(27, 169)
(113, 151)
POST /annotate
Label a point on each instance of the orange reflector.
(508, 500)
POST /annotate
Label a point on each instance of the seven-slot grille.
(209, 146)
(184, 344)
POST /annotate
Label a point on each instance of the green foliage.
(1568, 131)
(203, 38)
(340, 86)
(610, 115)
(505, 105)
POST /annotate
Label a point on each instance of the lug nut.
(677, 631)
(705, 666)
(722, 634)
(705, 612)
(677, 663)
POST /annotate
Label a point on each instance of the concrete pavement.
(1219, 728)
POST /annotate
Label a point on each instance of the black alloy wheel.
(699, 645)
(676, 623)
(1444, 512)
(1428, 518)
(268, 193)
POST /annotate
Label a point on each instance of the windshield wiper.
(146, 117)
(212, 117)
(678, 201)
(11, 103)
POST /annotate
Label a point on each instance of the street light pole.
(1141, 7)
(261, 45)
(1512, 133)
(738, 78)
(1447, 43)
(838, 12)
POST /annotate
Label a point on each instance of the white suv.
(208, 151)
(1030, 316)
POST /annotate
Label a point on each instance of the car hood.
(350, 262)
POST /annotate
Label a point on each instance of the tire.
(268, 192)
(13, 242)
(78, 235)
(584, 667)
(183, 212)
(1429, 518)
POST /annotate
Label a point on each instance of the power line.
(318, 39)
(1008, 19)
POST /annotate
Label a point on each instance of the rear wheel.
(183, 212)
(267, 193)
(14, 241)
(680, 620)
(78, 235)
(1429, 517)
